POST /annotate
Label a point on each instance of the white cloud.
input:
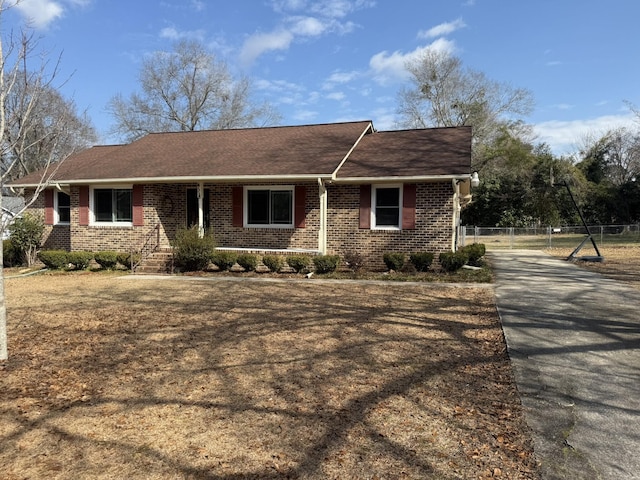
(305, 115)
(343, 77)
(384, 119)
(260, 43)
(302, 18)
(40, 13)
(338, 96)
(442, 29)
(277, 86)
(564, 136)
(173, 34)
(198, 5)
(325, 8)
(389, 68)
(563, 106)
(339, 78)
(307, 26)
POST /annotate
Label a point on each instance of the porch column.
(322, 231)
(200, 195)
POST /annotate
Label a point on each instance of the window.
(272, 207)
(62, 208)
(112, 205)
(386, 211)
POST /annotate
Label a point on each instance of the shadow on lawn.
(255, 380)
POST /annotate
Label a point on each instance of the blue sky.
(341, 60)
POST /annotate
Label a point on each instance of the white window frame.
(92, 216)
(245, 202)
(56, 211)
(374, 190)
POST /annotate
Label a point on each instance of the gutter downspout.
(456, 214)
(200, 194)
(322, 231)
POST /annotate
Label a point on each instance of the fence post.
(549, 235)
(475, 234)
(601, 232)
(511, 234)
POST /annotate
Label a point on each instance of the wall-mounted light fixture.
(475, 180)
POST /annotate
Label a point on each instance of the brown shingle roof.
(411, 153)
(274, 151)
(286, 152)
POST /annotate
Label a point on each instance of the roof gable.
(411, 153)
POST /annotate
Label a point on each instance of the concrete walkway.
(574, 341)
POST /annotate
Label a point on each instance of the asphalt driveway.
(574, 341)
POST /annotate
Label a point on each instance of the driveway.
(574, 341)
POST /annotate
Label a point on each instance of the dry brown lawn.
(114, 377)
(621, 263)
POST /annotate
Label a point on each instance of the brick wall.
(433, 232)
(165, 205)
(272, 238)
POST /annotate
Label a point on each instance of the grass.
(121, 377)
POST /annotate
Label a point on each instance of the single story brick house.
(328, 189)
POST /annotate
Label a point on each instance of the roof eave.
(403, 179)
(185, 179)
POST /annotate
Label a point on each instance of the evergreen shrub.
(421, 260)
(191, 252)
(107, 259)
(299, 263)
(273, 262)
(248, 261)
(54, 259)
(453, 261)
(224, 260)
(326, 263)
(394, 260)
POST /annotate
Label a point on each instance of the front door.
(192, 208)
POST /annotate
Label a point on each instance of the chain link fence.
(549, 237)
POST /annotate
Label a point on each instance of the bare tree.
(42, 126)
(614, 155)
(24, 131)
(445, 94)
(184, 90)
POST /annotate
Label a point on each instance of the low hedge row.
(449, 261)
(80, 260)
(275, 263)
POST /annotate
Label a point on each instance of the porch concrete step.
(157, 263)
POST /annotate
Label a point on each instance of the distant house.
(11, 208)
(317, 189)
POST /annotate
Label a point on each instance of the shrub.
(248, 261)
(11, 256)
(475, 252)
(107, 259)
(453, 261)
(421, 260)
(299, 263)
(26, 235)
(273, 262)
(326, 263)
(80, 260)
(394, 260)
(125, 259)
(224, 260)
(54, 259)
(191, 252)
(353, 260)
